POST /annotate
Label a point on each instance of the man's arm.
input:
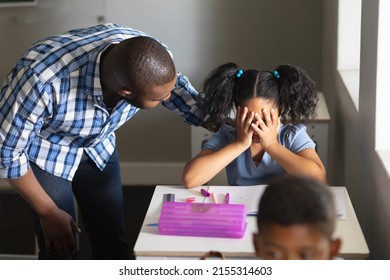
(23, 105)
(57, 225)
(187, 102)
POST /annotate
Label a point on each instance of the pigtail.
(298, 93)
(218, 89)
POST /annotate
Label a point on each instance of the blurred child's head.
(296, 220)
(288, 89)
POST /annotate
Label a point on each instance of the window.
(17, 3)
(348, 49)
(382, 95)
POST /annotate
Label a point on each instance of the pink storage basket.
(203, 219)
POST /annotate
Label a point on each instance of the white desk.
(151, 245)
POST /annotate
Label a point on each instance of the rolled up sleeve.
(186, 102)
(23, 103)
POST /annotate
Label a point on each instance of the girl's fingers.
(260, 121)
(256, 128)
(267, 117)
(257, 124)
(241, 115)
(257, 117)
(244, 112)
(278, 124)
(249, 118)
(274, 117)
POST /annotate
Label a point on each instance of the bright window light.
(348, 60)
(383, 74)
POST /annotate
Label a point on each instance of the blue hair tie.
(276, 74)
(239, 73)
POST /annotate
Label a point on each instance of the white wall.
(353, 161)
(20, 27)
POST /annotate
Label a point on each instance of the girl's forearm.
(208, 164)
(297, 164)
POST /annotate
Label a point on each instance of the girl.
(260, 147)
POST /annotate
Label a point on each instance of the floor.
(17, 233)
(16, 227)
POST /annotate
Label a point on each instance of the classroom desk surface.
(151, 245)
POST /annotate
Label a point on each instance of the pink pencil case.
(203, 219)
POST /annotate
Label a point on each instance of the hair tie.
(276, 74)
(239, 73)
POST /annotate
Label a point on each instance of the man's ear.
(125, 93)
(335, 246)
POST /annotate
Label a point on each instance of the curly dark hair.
(292, 91)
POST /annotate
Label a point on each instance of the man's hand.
(58, 228)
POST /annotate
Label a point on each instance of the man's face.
(150, 97)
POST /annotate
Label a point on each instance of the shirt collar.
(92, 80)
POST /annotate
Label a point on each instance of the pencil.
(227, 198)
(214, 197)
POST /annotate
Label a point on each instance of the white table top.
(151, 245)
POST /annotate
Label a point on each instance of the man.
(59, 108)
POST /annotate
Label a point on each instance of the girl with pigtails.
(268, 137)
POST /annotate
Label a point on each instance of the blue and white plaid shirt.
(52, 109)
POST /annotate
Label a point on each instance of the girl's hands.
(268, 130)
(244, 131)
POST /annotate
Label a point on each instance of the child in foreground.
(258, 147)
(296, 220)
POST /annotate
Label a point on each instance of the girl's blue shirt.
(243, 171)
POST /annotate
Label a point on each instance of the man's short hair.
(145, 62)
